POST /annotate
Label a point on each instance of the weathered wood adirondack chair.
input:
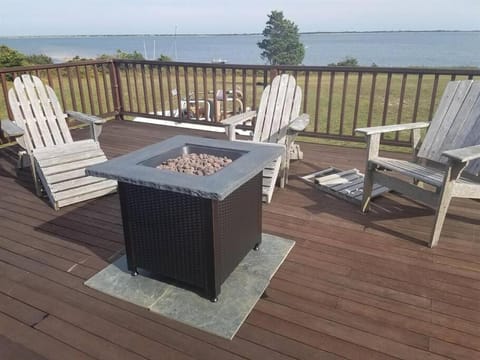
(276, 121)
(57, 162)
(448, 158)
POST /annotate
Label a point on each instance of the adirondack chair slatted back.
(36, 109)
(456, 123)
(280, 103)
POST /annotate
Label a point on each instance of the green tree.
(77, 58)
(164, 58)
(281, 45)
(10, 57)
(120, 54)
(128, 56)
(105, 57)
(38, 59)
(347, 61)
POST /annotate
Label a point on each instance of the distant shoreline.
(385, 48)
(234, 34)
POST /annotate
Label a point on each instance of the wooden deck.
(355, 286)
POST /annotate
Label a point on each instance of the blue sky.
(63, 17)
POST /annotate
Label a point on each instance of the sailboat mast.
(175, 44)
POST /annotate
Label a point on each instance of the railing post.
(116, 90)
(273, 72)
(5, 96)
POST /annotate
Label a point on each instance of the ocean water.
(433, 49)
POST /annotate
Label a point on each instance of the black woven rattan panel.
(192, 240)
(239, 224)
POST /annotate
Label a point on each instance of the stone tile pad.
(116, 280)
(239, 293)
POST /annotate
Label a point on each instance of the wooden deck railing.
(338, 99)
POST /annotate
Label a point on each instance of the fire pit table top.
(139, 167)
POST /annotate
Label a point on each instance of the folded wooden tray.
(347, 184)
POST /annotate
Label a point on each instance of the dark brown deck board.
(38, 342)
(355, 286)
(11, 350)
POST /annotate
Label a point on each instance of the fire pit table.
(191, 229)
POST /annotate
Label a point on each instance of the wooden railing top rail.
(14, 69)
(350, 69)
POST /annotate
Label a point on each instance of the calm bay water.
(434, 49)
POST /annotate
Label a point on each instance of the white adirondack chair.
(57, 162)
(276, 121)
(448, 158)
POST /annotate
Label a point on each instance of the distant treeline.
(10, 57)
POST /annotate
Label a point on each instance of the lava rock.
(196, 164)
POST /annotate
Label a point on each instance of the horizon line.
(230, 34)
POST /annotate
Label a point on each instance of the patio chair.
(276, 121)
(448, 159)
(56, 160)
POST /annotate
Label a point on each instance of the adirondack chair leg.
(95, 131)
(441, 212)
(36, 181)
(283, 172)
(22, 161)
(286, 172)
(290, 146)
(282, 179)
(367, 187)
(451, 175)
(230, 130)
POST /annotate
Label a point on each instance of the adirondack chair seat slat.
(66, 149)
(268, 172)
(68, 158)
(86, 196)
(77, 164)
(65, 176)
(426, 174)
(57, 162)
(348, 186)
(450, 148)
(60, 154)
(277, 121)
(85, 189)
(75, 183)
(266, 181)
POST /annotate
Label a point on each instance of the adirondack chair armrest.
(294, 127)
(463, 154)
(95, 122)
(11, 129)
(391, 128)
(373, 135)
(299, 124)
(87, 119)
(231, 122)
(239, 118)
